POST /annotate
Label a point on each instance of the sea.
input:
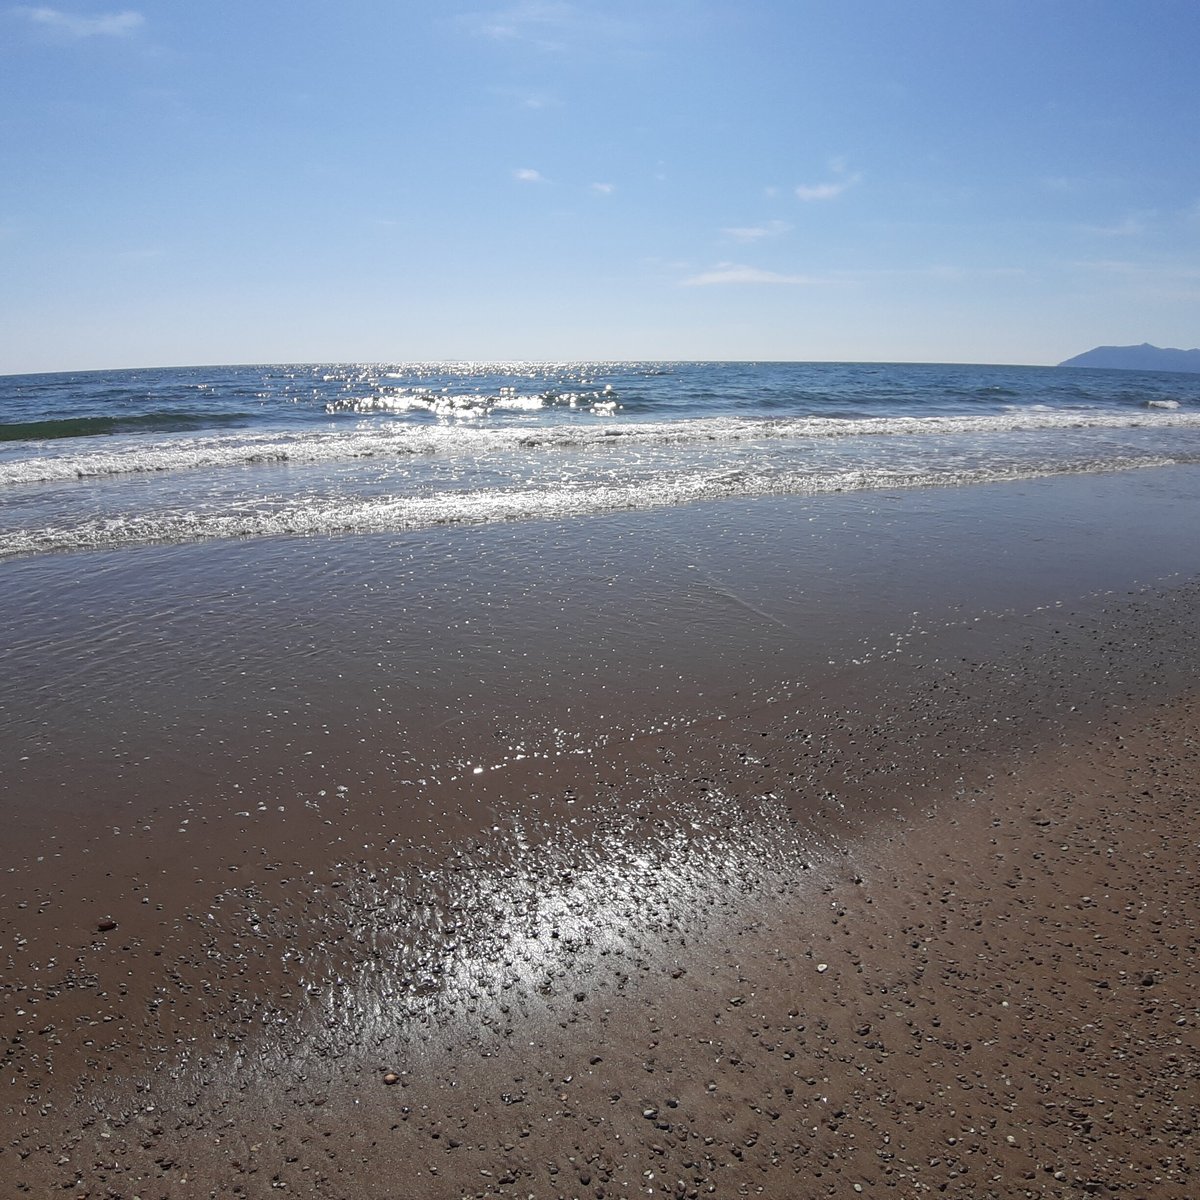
(122, 458)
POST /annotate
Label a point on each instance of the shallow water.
(114, 459)
(274, 670)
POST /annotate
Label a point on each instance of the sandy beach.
(727, 858)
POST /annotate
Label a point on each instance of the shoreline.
(659, 904)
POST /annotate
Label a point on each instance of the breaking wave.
(400, 440)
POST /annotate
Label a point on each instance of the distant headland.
(1137, 358)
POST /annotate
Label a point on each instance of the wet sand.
(895, 902)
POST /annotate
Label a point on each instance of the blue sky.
(911, 180)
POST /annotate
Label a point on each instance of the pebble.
(390, 1078)
(106, 924)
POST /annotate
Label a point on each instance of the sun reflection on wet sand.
(506, 932)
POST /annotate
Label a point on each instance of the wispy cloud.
(528, 175)
(756, 233)
(549, 25)
(725, 273)
(825, 191)
(605, 189)
(544, 24)
(819, 191)
(119, 24)
(736, 273)
(829, 189)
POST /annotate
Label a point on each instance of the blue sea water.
(119, 458)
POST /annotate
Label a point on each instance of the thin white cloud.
(725, 273)
(605, 189)
(830, 189)
(549, 25)
(756, 233)
(528, 175)
(735, 273)
(543, 24)
(119, 24)
(819, 191)
(518, 20)
(825, 191)
(536, 101)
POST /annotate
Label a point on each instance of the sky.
(227, 181)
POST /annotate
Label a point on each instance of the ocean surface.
(110, 459)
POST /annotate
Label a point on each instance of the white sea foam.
(82, 458)
(339, 514)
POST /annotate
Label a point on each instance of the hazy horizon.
(518, 362)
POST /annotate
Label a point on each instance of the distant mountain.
(1137, 358)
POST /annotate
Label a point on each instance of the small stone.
(391, 1078)
(106, 924)
(822, 968)
(649, 1113)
